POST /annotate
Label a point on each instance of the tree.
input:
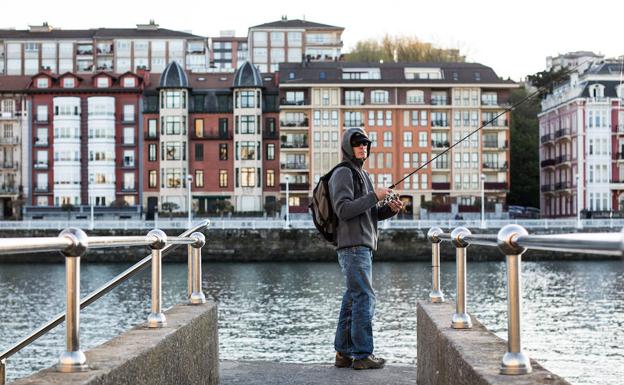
(272, 207)
(402, 49)
(546, 81)
(223, 206)
(69, 208)
(170, 206)
(119, 203)
(524, 151)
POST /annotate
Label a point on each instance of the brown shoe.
(343, 361)
(370, 362)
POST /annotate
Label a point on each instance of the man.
(355, 204)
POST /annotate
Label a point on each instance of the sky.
(513, 38)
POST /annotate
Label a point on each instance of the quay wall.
(186, 351)
(448, 356)
(241, 245)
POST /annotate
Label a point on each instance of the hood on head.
(347, 150)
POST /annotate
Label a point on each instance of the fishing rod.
(508, 109)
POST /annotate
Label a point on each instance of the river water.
(573, 319)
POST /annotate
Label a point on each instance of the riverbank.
(293, 245)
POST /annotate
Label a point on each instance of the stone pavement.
(275, 373)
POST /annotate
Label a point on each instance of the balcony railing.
(353, 102)
(562, 133)
(294, 145)
(494, 144)
(440, 165)
(10, 165)
(440, 143)
(300, 123)
(547, 162)
(441, 185)
(495, 166)
(546, 188)
(439, 123)
(11, 140)
(495, 185)
(546, 138)
(495, 123)
(41, 165)
(439, 101)
(563, 158)
(286, 102)
(295, 186)
(563, 185)
(293, 166)
(42, 189)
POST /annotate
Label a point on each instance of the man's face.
(359, 151)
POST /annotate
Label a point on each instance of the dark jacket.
(356, 208)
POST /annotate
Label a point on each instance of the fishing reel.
(393, 196)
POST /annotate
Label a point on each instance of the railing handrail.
(100, 242)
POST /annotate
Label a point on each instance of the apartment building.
(83, 139)
(228, 52)
(412, 113)
(581, 144)
(215, 133)
(293, 41)
(117, 50)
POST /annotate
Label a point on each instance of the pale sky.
(513, 38)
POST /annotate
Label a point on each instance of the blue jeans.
(354, 334)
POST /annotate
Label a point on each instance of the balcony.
(8, 189)
(8, 115)
(546, 188)
(440, 166)
(211, 135)
(439, 102)
(487, 166)
(563, 185)
(494, 145)
(293, 166)
(441, 185)
(439, 123)
(41, 165)
(11, 165)
(84, 52)
(301, 102)
(42, 189)
(498, 124)
(440, 144)
(563, 133)
(562, 159)
(293, 145)
(11, 140)
(547, 163)
(495, 185)
(103, 51)
(301, 123)
(295, 186)
(546, 138)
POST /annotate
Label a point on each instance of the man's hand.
(381, 193)
(395, 205)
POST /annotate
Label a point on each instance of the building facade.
(118, 50)
(293, 41)
(582, 142)
(412, 113)
(228, 52)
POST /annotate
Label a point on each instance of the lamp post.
(482, 201)
(189, 181)
(287, 201)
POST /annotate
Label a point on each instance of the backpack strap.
(358, 183)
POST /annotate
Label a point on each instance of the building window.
(354, 98)
(128, 113)
(172, 125)
(247, 150)
(151, 152)
(223, 178)
(247, 99)
(223, 151)
(42, 137)
(199, 178)
(270, 151)
(379, 97)
(248, 177)
(199, 151)
(128, 181)
(387, 139)
(173, 150)
(128, 135)
(101, 82)
(248, 124)
(42, 113)
(43, 82)
(69, 82)
(422, 139)
(270, 178)
(128, 158)
(129, 82)
(153, 179)
(415, 97)
(152, 128)
(199, 128)
(174, 99)
(407, 139)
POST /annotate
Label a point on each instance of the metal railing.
(73, 243)
(513, 241)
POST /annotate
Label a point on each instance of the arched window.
(379, 97)
(596, 91)
(415, 97)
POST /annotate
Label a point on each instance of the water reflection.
(573, 311)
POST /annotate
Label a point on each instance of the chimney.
(144, 73)
(40, 28)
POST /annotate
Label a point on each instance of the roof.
(95, 33)
(174, 76)
(607, 68)
(213, 81)
(610, 90)
(390, 73)
(247, 75)
(295, 23)
(14, 83)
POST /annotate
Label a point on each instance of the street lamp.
(189, 180)
(482, 201)
(287, 200)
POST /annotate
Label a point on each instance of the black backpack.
(323, 215)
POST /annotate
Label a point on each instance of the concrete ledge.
(464, 357)
(184, 352)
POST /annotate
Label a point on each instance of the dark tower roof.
(247, 76)
(174, 77)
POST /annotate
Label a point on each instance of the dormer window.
(69, 82)
(43, 82)
(596, 91)
(101, 82)
(129, 82)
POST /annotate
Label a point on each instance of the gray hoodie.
(358, 215)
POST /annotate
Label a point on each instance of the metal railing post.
(515, 361)
(73, 359)
(157, 319)
(2, 372)
(435, 295)
(189, 271)
(197, 296)
(461, 319)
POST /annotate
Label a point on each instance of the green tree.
(402, 49)
(546, 81)
(524, 151)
